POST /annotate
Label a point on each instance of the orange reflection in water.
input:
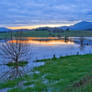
(34, 40)
(31, 38)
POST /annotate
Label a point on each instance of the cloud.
(33, 12)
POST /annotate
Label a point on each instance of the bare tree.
(15, 51)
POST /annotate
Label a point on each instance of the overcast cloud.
(34, 12)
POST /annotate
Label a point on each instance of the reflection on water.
(48, 46)
(42, 41)
(42, 48)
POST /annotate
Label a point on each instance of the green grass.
(27, 34)
(50, 34)
(76, 33)
(16, 90)
(66, 70)
(20, 63)
(58, 75)
(86, 88)
(10, 83)
(4, 35)
(36, 34)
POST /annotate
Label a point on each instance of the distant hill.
(3, 29)
(84, 25)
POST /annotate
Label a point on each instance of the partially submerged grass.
(10, 83)
(66, 70)
(20, 63)
(16, 90)
(59, 75)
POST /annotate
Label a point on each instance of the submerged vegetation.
(20, 63)
(64, 74)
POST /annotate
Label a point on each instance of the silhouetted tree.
(15, 51)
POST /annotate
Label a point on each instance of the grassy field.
(64, 74)
(50, 34)
(27, 34)
(77, 33)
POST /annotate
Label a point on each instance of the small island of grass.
(20, 63)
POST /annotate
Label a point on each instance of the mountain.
(3, 29)
(84, 25)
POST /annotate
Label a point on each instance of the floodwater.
(43, 48)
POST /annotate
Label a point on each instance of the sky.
(44, 12)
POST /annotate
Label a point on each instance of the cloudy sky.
(36, 12)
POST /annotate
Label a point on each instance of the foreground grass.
(57, 75)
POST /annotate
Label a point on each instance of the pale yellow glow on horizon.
(37, 26)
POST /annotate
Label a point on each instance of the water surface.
(42, 48)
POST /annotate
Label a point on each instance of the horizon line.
(38, 26)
